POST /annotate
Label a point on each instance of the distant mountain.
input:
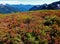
(39, 7)
(14, 8)
(53, 6)
(7, 9)
(24, 8)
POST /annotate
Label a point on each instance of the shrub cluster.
(30, 28)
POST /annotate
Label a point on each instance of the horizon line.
(17, 3)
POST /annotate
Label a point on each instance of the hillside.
(34, 27)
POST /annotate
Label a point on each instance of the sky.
(33, 2)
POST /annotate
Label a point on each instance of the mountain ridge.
(7, 8)
(54, 5)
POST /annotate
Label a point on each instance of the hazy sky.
(34, 2)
